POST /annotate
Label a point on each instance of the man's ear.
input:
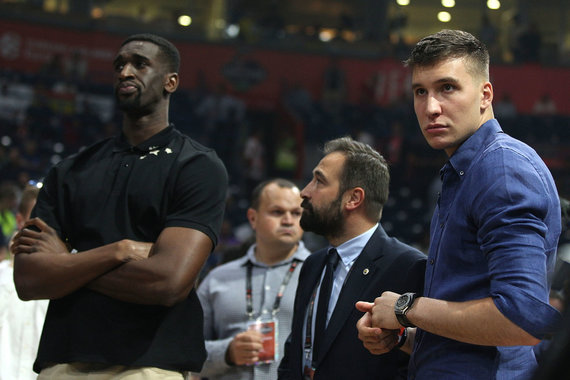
(171, 83)
(486, 95)
(355, 198)
(252, 218)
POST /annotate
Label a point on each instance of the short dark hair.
(169, 52)
(451, 44)
(363, 167)
(258, 190)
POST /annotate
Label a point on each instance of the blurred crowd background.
(265, 83)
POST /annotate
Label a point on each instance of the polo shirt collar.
(299, 255)
(461, 160)
(156, 141)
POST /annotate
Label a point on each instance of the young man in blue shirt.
(494, 231)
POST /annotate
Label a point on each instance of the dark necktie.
(324, 297)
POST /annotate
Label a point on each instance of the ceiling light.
(327, 34)
(448, 3)
(403, 2)
(184, 20)
(493, 4)
(444, 16)
(96, 12)
(232, 30)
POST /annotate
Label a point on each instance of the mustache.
(305, 204)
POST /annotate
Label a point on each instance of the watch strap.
(404, 321)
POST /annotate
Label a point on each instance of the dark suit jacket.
(392, 266)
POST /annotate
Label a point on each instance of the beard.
(129, 104)
(328, 222)
(135, 104)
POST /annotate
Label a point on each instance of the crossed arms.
(159, 273)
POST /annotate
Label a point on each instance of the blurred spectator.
(220, 108)
(256, 292)
(20, 322)
(544, 106)
(489, 35)
(529, 44)
(505, 109)
(9, 198)
(254, 158)
(334, 86)
(299, 101)
(222, 115)
(553, 354)
(75, 68)
(52, 71)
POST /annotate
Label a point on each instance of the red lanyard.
(249, 291)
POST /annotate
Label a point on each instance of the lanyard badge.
(267, 324)
(269, 337)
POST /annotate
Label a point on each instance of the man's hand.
(130, 250)
(37, 237)
(244, 348)
(382, 313)
(376, 340)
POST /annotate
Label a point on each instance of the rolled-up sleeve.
(513, 213)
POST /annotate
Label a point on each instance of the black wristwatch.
(402, 306)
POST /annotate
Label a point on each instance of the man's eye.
(420, 91)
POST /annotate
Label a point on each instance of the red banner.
(257, 75)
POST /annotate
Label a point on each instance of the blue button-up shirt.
(494, 234)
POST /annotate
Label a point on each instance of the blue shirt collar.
(461, 160)
(351, 249)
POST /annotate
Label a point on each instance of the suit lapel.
(312, 273)
(310, 276)
(358, 281)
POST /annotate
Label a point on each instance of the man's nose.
(433, 106)
(126, 71)
(287, 218)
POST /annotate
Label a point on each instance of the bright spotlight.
(403, 2)
(184, 20)
(448, 3)
(97, 12)
(327, 34)
(232, 30)
(493, 4)
(444, 16)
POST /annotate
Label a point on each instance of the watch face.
(402, 301)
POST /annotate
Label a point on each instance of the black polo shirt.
(113, 191)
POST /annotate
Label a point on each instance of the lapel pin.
(365, 271)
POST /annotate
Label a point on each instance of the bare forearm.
(141, 282)
(166, 277)
(54, 275)
(476, 322)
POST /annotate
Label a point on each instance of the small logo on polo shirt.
(154, 151)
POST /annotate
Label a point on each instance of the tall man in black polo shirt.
(120, 233)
